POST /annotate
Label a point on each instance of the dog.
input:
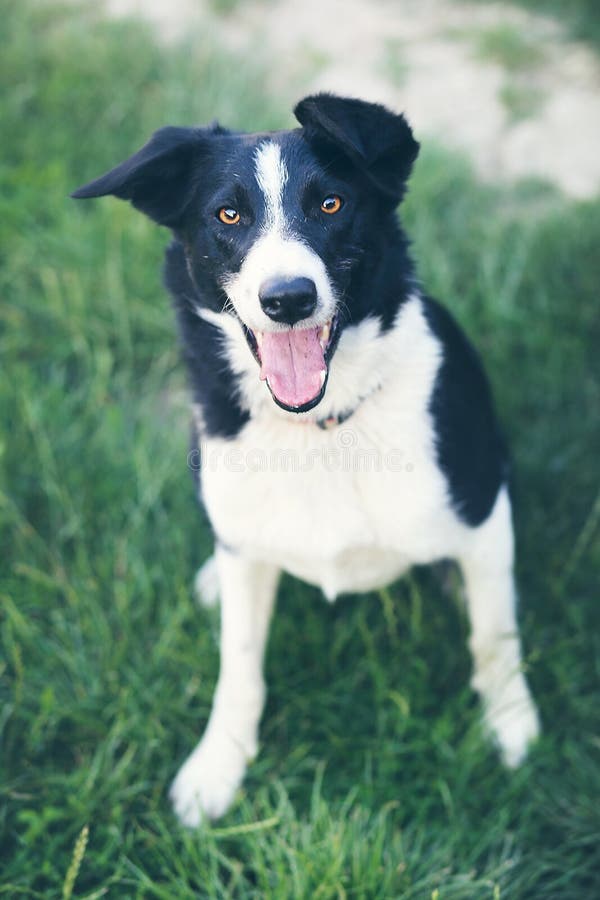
(345, 423)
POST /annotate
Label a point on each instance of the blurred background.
(501, 82)
(374, 779)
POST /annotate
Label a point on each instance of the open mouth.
(295, 362)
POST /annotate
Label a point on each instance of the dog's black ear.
(377, 141)
(159, 178)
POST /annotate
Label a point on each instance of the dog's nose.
(288, 299)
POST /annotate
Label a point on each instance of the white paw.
(206, 584)
(208, 780)
(514, 725)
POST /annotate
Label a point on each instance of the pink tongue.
(292, 362)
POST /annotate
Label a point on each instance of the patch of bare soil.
(505, 86)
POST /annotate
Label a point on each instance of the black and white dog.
(346, 425)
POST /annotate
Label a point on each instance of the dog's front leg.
(510, 713)
(206, 783)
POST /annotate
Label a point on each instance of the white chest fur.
(347, 508)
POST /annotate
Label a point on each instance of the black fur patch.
(158, 179)
(379, 143)
(471, 450)
(213, 384)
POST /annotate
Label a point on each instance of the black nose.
(288, 299)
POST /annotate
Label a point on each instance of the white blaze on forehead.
(276, 251)
(271, 175)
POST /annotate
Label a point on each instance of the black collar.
(333, 421)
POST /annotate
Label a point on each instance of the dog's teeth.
(324, 336)
(323, 376)
(258, 338)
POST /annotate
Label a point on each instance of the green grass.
(521, 100)
(373, 780)
(521, 57)
(393, 65)
(581, 18)
(506, 45)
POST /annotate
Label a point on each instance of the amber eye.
(228, 216)
(331, 204)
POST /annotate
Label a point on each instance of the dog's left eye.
(228, 215)
(331, 204)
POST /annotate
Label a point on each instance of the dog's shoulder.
(470, 447)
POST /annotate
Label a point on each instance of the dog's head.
(276, 226)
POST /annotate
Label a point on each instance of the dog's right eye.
(331, 204)
(228, 216)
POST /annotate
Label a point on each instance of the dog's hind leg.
(209, 778)
(487, 566)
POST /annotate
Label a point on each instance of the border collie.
(345, 422)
